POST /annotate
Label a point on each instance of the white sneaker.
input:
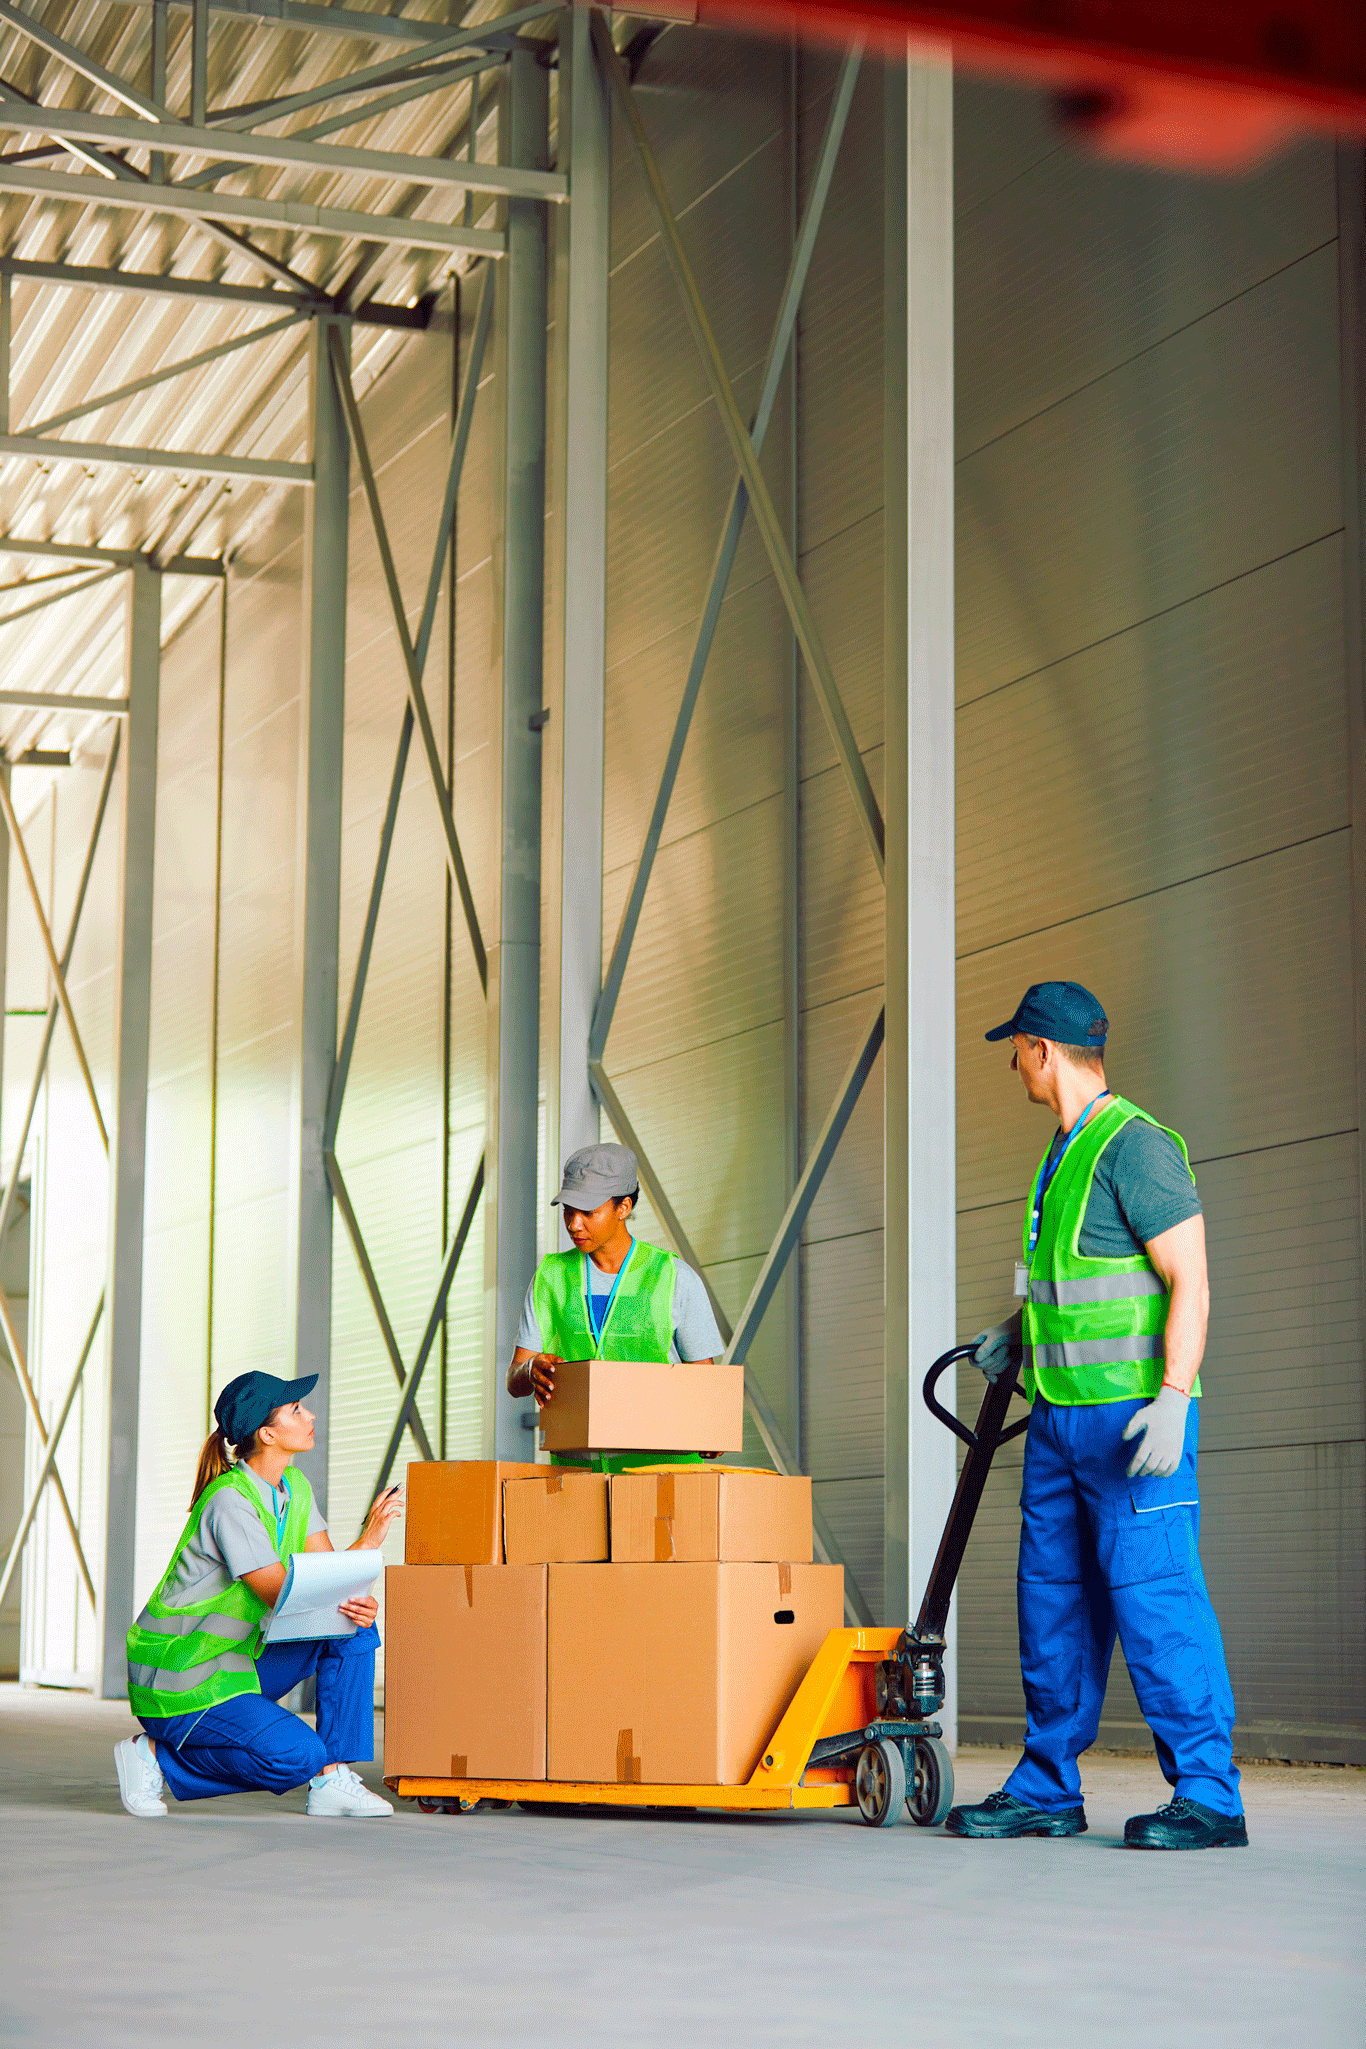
(141, 1784)
(341, 1793)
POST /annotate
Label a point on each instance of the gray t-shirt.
(695, 1333)
(1141, 1188)
(231, 1540)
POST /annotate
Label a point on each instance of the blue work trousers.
(250, 1744)
(1100, 1555)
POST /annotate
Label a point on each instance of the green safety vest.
(183, 1660)
(1092, 1328)
(639, 1325)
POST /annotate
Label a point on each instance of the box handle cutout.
(783, 1615)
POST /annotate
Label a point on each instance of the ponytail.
(213, 1462)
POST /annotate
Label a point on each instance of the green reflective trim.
(1116, 1287)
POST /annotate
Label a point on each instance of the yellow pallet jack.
(860, 1729)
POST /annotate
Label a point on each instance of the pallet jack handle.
(982, 1444)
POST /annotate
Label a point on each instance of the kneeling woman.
(199, 1681)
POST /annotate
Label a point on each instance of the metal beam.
(188, 463)
(77, 61)
(127, 1158)
(514, 983)
(6, 339)
(352, 21)
(742, 449)
(199, 61)
(297, 216)
(342, 1196)
(406, 68)
(574, 738)
(86, 277)
(318, 895)
(54, 702)
(728, 544)
(441, 80)
(1351, 256)
(119, 558)
(289, 152)
(920, 1233)
(36, 697)
(765, 1422)
(164, 374)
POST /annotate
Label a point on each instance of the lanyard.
(281, 1514)
(1050, 1168)
(598, 1328)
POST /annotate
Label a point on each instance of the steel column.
(128, 1137)
(572, 838)
(514, 965)
(318, 917)
(918, 632)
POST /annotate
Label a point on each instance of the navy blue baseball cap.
(1061, 1011)
(246, 1402)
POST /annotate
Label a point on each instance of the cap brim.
(305, 1384)
(588, 1198)
(1005, 1031)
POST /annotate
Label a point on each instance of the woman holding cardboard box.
(612, 1297)
(206, 1692)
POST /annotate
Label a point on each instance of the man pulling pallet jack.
(1111, 1334)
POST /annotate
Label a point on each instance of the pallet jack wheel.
(931, 1795)
(880, 1783)
(430, 1806)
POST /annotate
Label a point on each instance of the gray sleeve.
(1149, 1179)
(239, 1534)
(315, 1521)
(695, 1332)
(529, 1329)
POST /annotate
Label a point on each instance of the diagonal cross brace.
(54, 964)
(341, 1196)
(728, 545)
(747, 462)
(407, 1417)
(47, 1470)
(764, 1420)
(808, 1187)
(341, 373)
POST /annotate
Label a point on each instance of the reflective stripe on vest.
(1093, 1328)
(185, 1658)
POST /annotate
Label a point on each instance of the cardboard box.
(465, 1671)
(559, 1517)
(455, 1510)
(630, 1405)
(719, 1513)
(678, 1674)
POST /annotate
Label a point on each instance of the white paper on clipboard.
(315, 1585)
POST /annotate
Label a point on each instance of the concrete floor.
(231, 1916)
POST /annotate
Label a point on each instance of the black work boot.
(1185, 1825)
(1001, 1814)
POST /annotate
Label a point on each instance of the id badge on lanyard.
(1041, 1187)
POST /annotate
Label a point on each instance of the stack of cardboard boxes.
(563, 1625)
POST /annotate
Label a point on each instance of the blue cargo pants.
(1100, 1555)
(250, 1744)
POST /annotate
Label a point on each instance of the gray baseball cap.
(596, 1173)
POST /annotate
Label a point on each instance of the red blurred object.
(1210, 86)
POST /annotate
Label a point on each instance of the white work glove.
(1163, 1424)
(1000, 1349)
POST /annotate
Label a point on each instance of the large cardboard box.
(557, 1518)
(721, 1513)
(465, 1671)
(635, 1405)
(455, 1510)
(678, 1674)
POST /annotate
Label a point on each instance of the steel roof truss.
(162, 376)
(290, 152)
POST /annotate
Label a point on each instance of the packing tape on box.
(784, 1581)
(665, 1553)
(469, 1586)
(460, 1766)
(554, 1480)
(628, 1766)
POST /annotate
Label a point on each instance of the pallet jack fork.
(860, 1729)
